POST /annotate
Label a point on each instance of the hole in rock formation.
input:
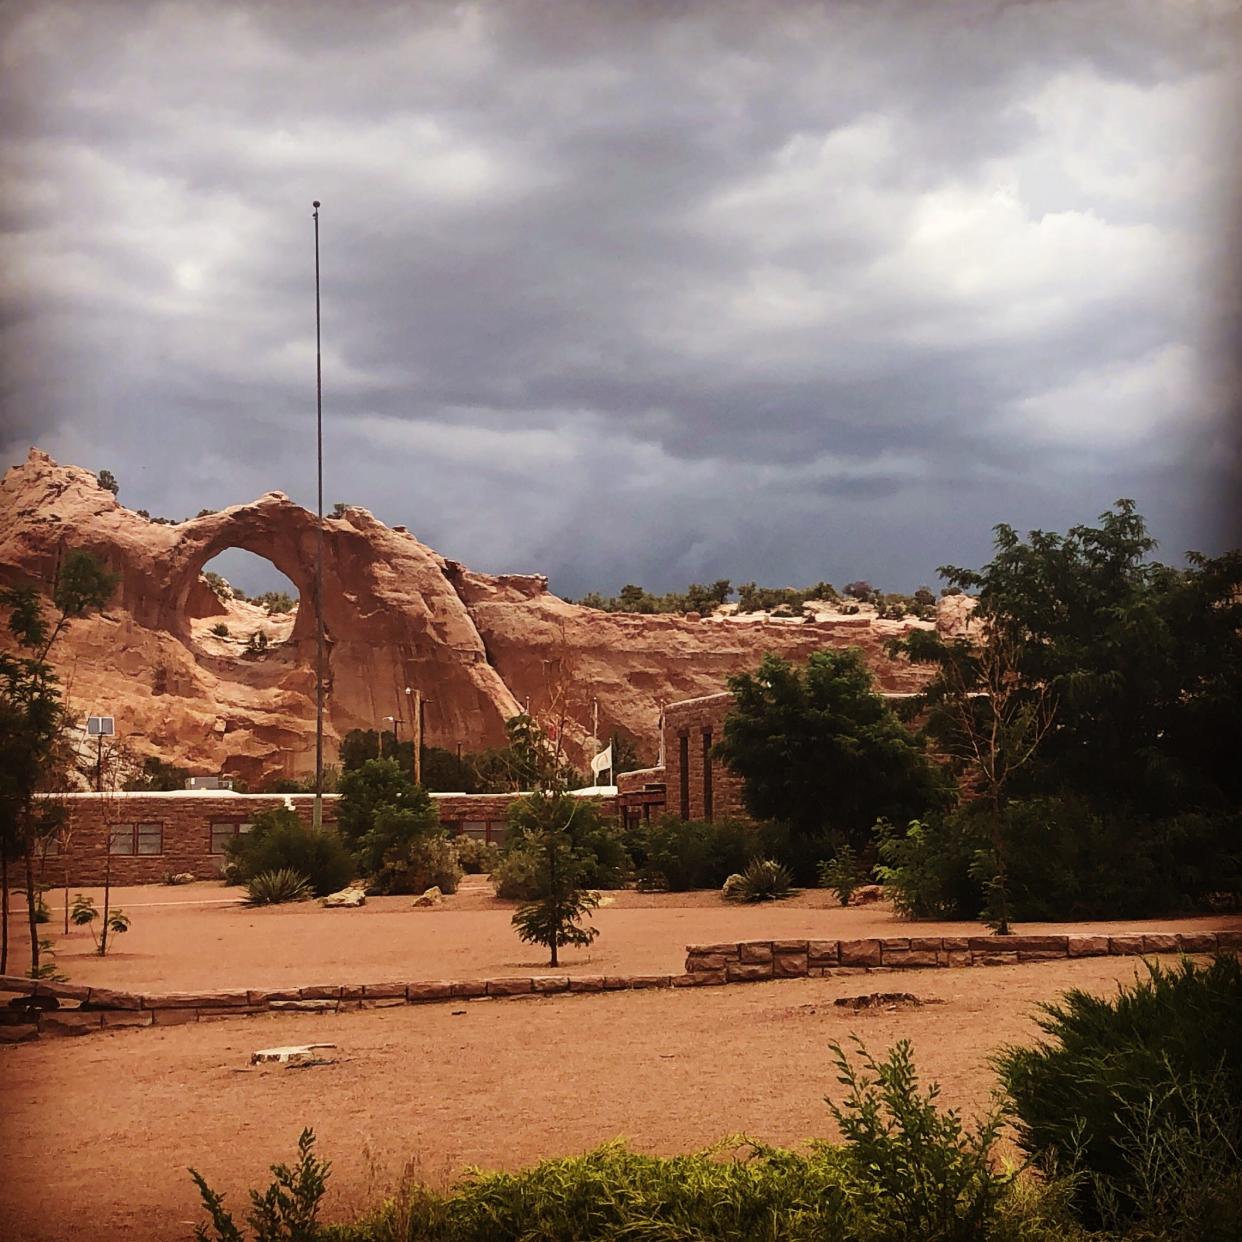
(241, 607)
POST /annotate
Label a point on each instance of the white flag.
(603, 761)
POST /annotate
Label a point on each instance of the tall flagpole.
(317, 819)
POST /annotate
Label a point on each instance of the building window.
(137, 839)
(683, 755)
(483, 829)
(224, 830)
(707, 774)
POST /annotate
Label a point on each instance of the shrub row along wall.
(93, 1009)
(749, 960)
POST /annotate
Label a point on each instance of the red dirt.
(178, 942)
(101, 1128)
(500, 1084)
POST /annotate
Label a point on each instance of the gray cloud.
(632, 292)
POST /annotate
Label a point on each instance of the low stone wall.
(745, 961)
(86, 1009)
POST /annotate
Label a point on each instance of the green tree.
(32, 718)
(158, 774)
(382, 814)
(819, 749)
(107, 480)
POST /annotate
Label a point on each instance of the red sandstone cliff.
(396, 614)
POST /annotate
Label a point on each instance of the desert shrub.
(762, 880)
(679, 855)
(516, 876)
(278, 841)
(273, 888)
(801, 853)
(220, 630)
(375, 786)
(477, 857)
(1139, 1098)
(417, 864)
(926, 869)
(288, 1211)
(83, 914)
(842, 873)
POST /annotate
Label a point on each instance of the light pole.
(317, 815)
(396, 735)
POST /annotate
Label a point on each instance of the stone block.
(616, 983)
(264, 998)
(591, 983)
(173, 1017)
(708, 961)
(1037, 944)
(304, 1006)
(63, 991)
(704, 950)
(736, 972)
(894, 943)
(468, 989)
(196, 1000)
(1229, 940)
(995, 959)
(955, 944)
(422, 990)
(927, 944)
(1197, 942)
(546, 984)
(349, 1006)
(754, 952)
(986, 944)
(509, 987)
(19, 1033)
(371, 991)
(1160, 942)
(320, 991)
(848, 970)
(105, 998)
(212, 1014)
(822, 952)
(789, 966)
(1041, 955)
(17, 983)
(860, 953)
(788, 946)
(702, 979)
(959, 957)
(911, 958)
(69, 1022)
(383, 1002)
(1125, 945)
(351, 991)
(650, 981)
(1087, 946)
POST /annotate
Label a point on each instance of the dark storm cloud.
(645, 291)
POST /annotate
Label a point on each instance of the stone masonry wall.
(696, 785)
(184, 836)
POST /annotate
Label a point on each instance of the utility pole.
(317, 816)
(418, 737)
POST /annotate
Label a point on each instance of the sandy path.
(97, 1132)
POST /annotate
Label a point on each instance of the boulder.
(346, 899)
(432, 897)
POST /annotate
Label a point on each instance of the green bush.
(417, 865)
(279, 840)
(516, 876)
(679, 855)
(597, 847)
(762, 880)
(476, 857)
(273, 888)
(220, 630)
(1139, 1098)
(842, 873)
(381, 812)
(926, 869)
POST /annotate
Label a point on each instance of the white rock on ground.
(346, 899)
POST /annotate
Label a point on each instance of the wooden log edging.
(707, 965)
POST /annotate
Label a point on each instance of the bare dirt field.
(199, 936)
(96, 1133)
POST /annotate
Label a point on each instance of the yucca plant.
(763, 880)
(272, 888)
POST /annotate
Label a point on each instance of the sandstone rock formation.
(396, 615)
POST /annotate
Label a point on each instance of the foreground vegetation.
(1129, 1113)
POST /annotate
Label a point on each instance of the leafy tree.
(382, 813)
(278, 840)
(32, 719)
(819, 749)
(107, 480)
(157, 774)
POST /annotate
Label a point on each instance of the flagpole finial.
(315, 204)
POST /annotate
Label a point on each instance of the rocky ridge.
(396, 614)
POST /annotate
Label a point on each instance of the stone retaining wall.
(84, 1009)
(748, 960)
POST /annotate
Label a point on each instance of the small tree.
(107, 480)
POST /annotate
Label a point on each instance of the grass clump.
(763, 880)
(274, 888)
(1138, 1099)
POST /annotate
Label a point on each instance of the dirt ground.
(199, 936)
(96, 1133)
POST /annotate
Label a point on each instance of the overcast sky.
(634, 291)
